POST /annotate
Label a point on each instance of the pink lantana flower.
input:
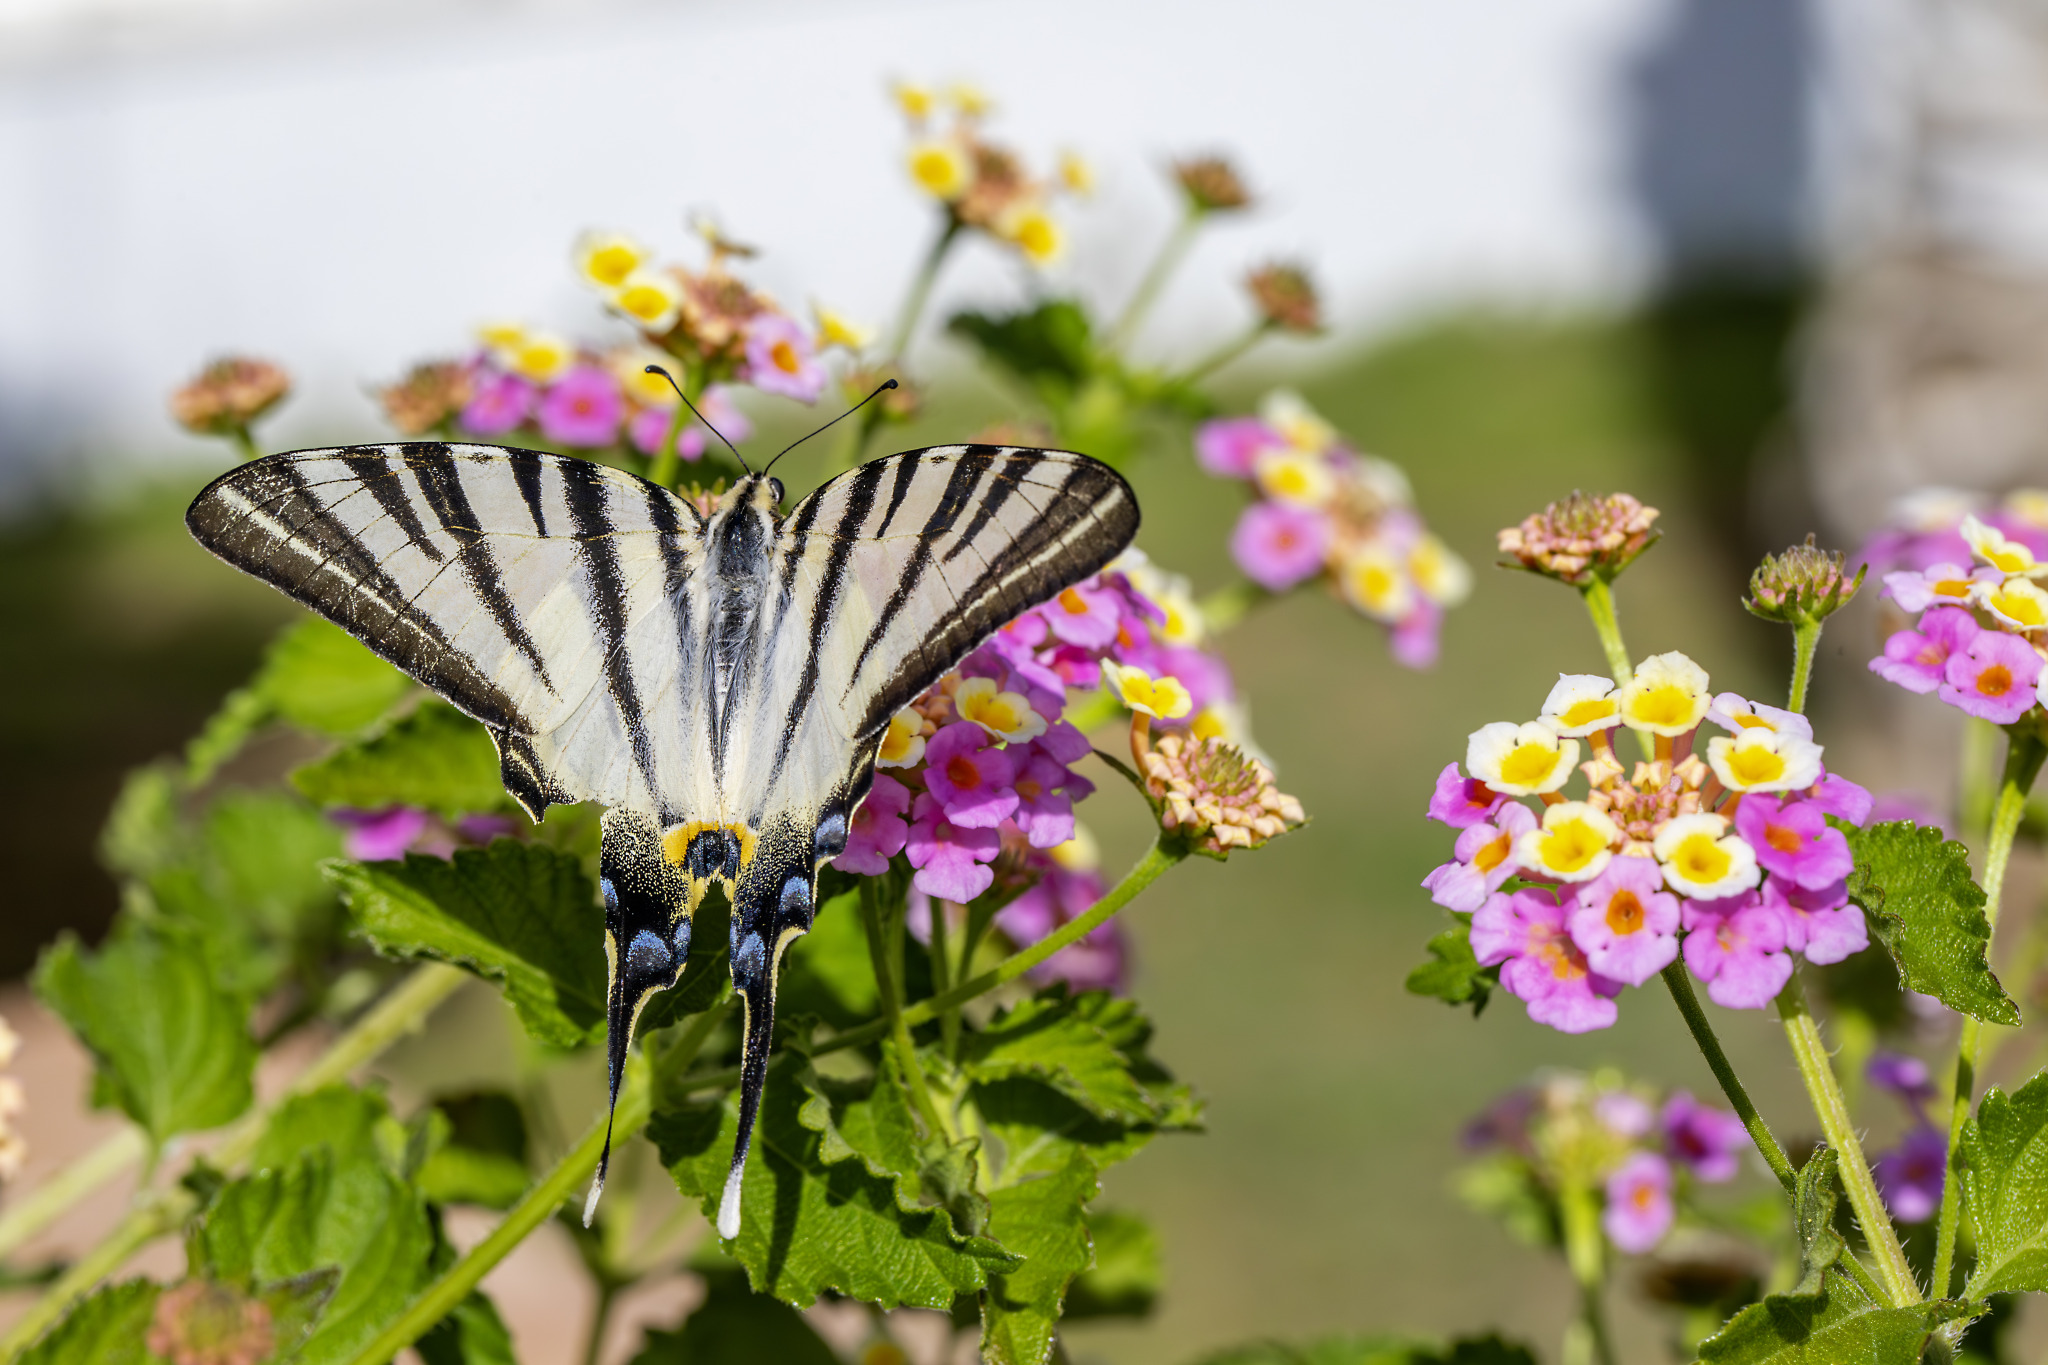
(877, 832)
(1279, 546)
(1992, 678)
(1910, 1176)
(1820, 924)
(1837, 796)
(1639, 1209)
(1737, 946)
(780, 359)
(969, 776)
(951, 860)
(1625, 921)
(1793, 840)
(1414, 638)
(1541, 966)
(583, 409)
(1917, 660)
(1097, 962)
(1706, 1140)
(380, 836)
(1230, 446)
(1085, 615)
(1938, 585)
(497, 404)
(1046, 793)
(1460, 801)
(1482, 860)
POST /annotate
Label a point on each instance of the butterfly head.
(755, 493)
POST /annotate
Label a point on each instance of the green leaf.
(1916, 889)
(1059, 1041)
(734, 1326)
(340, 1118)
(1841, 1326)
(315, 676)
(1456, 978)
(1039, 1219)
(473, 1334)
(436, 759)
(1813, 1217)
(1350, 1350)
(2004, 1159)
(1033, 1129)
(521, 916)
(463, 1175)
(1125, 1279)
(352, 1215)
(829, 972)
(109, 1328)
(811, 1225)
(173, 1049)
(1048, 346)
(143, 833)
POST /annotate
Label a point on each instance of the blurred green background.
(1319, 1199)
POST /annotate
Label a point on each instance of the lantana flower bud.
(229, 394)
(1211, 184)
(430, 394)
(1804, 585)
(1210, 793)
(1286, 298)
(1581, 538)
(205, 1323)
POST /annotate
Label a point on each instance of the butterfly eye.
(775, 489)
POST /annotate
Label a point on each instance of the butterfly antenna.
(656, 369)
(886, 385)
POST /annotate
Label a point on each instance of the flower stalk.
(885, 951)
(1688, 1003)
(1171, 252)
(920, 290)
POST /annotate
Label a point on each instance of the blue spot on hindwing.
(611, 895)
(647, 956)
(681, 938)
(749, 960)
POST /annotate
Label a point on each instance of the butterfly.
(720, 683)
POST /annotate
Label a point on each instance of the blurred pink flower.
(583, 409)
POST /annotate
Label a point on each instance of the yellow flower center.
(1783, 838)
(644, 302)
(1492, 853)
(610, 264)
(1571, 846)
(1586, 712)
(1753, 765)
(1624, 912)
(2021, 606)
(1755, 723)
(1073, 602)
(2010, 559)
(1952, 587)
(1667, 705)
(999, 712)
(1037, 237)
(896, 744)
(1994, 681)
(1529, 765)
(938, 171)
(1565, 965)
(785, 357)
(1701, 859)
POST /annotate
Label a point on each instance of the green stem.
(1599, 599)
(600, 1318)
(942, 976)
(244, 443)
(885, 951)
(1586, 1340)
(1688, 1003)
(2023, 755)
(158, 1212)
(1226, 606)
(1805, 641)
(921, 289)
(43, 1205)
(668, 462)
(1156, 275)
(1227, 352)
(1818, 1073)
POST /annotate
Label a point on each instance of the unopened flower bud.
(1286, 298)
(429, 395)
(204, 1323)
(1802, 586)
(1210, 794)
(1581, 538)
(1211, 184)
(228, 395)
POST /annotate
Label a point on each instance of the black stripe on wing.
(440, 483)
(589, 511)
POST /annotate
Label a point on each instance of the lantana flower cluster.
(982, 185)
(1982, 635)
(1636, 1149)
(1724, 857)
(1926, 528)
(710, 327)
(1322, 510)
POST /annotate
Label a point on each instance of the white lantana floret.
(1582, 703)
(1702, 860)
(1764, 761)
(1574, 843)
(1521, 760)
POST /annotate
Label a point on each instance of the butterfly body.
(720, 683)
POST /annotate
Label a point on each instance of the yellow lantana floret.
(940, 168)
(916, 101)
(501, 339)
(1574, 843)
(1667, 696)
(903, 744)
(1295, 477)
(1033, 231)
(1582, 703)
(1701, 859)
(1991, 547)
(970, 99)
(629, 367)
(2017, 602)
(1764, 761)
(1161, 698)
(1006, 715)
(1521, 760)
(836, 329)
(1078, 854)
(1373, 579)
(1298, 424)
(1439, 574)
(541, 357)
(651, 298)
(605, 259)
(1076, 174)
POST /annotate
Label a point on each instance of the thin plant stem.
(1228, 605)
(157, 1212)
(942, 974)
(1599, 598)
(49, 1200)
(1817, 1071)
(244, 443)
(921, 289)
(885, 952)
(1586, 1340)
(600, 1318)
(1688, 1003)
(1156, 275)
(668, 464)
(2023, 756)
(1227, 352)
(1805, 641)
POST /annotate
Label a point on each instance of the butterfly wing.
(883, 580)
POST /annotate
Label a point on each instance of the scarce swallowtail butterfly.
(721, 684)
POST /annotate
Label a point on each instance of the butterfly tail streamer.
(753, 976)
